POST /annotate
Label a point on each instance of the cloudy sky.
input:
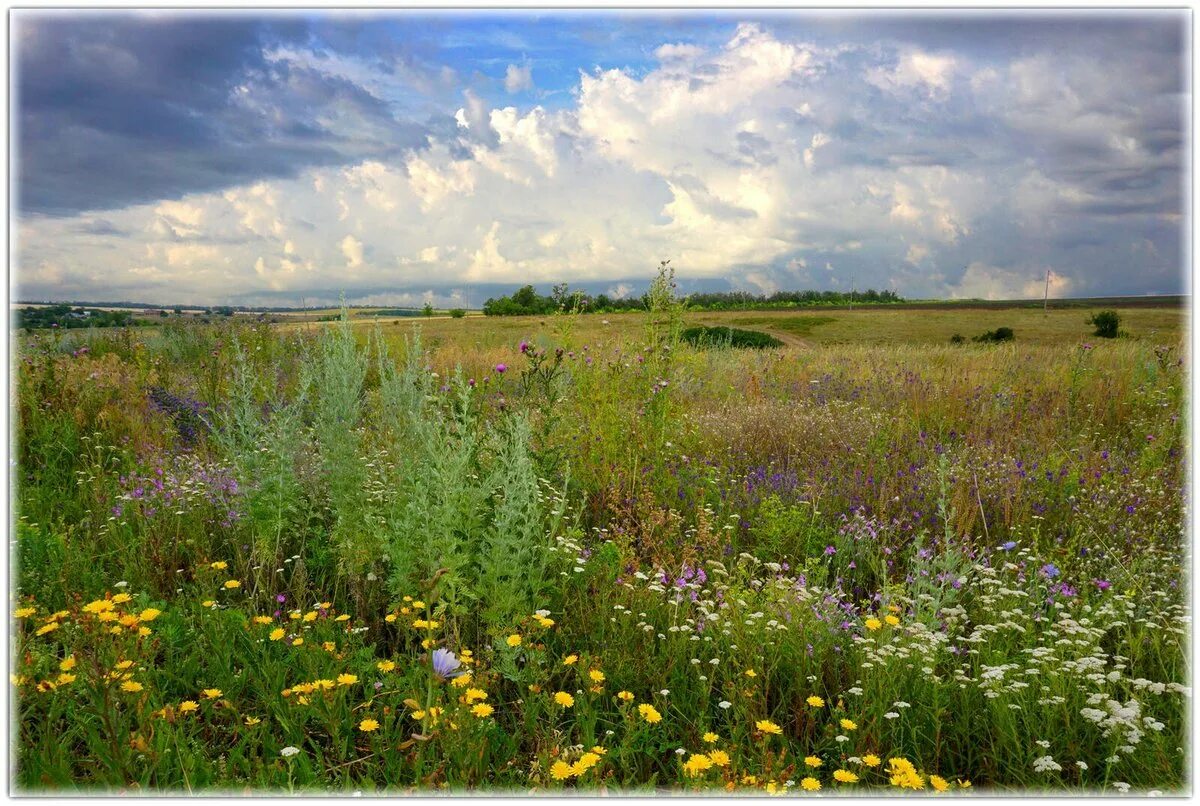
(194, 158)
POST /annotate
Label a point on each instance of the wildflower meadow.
(580, 554)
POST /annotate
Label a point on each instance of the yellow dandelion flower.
(67, 663)
(24, 612)
(208, 603)
(564, 699)
(697, 764)
(649, 713)
(276, 634)
(122, 598)
(810, 784)
(561, 770)
(473, 694)
(343, 617)
(845, 777)
(418, 605)
(848, 724)
(462, 681)
(939, 783)
(872, 624)
(815, 701)
(719, 757)
(230, 584)
(144, 631)
(482, 710)
(368, 725)
(212, 693)
(813, 761)
(298, 642)
(570, 659)
(263, 619)
(347, 679)
(964, 784)
(513, 640)
(131, 686)
(47, 628)
(750, 673)
(390, 618)
(711, 738)
(871, 760)
(219, 565)
(98, 606)
(310, 616)
(187, 706)
(385, 665)
(65, 678)
(626, 696)
(892, 620)
(596, 675)
(251, 721)
(766, 726)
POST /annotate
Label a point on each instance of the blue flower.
(444, 664)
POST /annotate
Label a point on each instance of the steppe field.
(572, 552)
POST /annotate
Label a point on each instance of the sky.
(398, 158)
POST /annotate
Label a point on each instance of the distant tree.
(428, 309)
(458, 313)
(178, 310)
(1108, 324)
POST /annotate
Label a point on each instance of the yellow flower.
(627, 696)
(418, 605)
(207, 603)
(697, 764)
(473, 694)
(368, 725)
(121, 598)
(65, 678)
(263, 619)
(329, 646)
(939, 783)
(871, 760)
(561, 770)
(24, 612)
(428, 643)
(873, 624)
(342, 617)
(964, 784)
(128, 620)
(750, 673)
(892, 620)
(462, 681)
(230, 584)
(219, 565)
(596, 675)
(144, 631)
(848, 724)
(51, 627)
(385, 665)
(587, 761)
(107, 615)
(570, 659)
(212, 693)
(545, 622)
(719, 757)
(98, 606)
(251, 721)
(599, 750)
(711, 738)
(482, 710)
(811, 784)
(67, 664)
(390, 618)
(767, 726)
(310, 616)
(188, 706)
(564, 699)
(324, 605)
(649, 713)
(125, 664)
(347, 679)
(513, 640)
(150, 614)
(297, 642)
(276, 634)
(845, 776)
(815, 701)
(131, 686)
(812, 761)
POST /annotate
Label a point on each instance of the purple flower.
(524, 347)
(281, 598)
(1009, 546)
(501, 369)
(1050, 571)
(1102, 584)
(830, 550)
(444, 664)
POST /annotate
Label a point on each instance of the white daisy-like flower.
(289, 751)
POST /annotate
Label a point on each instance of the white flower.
(121, 584)
(1046, 764)
(724, 704)
(891, 715)
(1121, 786)
(289, 751)
(665, 692)
(679, 751)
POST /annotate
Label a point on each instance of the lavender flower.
(444, 664)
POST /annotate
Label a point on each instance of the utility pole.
(1046, 298)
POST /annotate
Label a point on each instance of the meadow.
(570, 553)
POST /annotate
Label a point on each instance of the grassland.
(570, 553)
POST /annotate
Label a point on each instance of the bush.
(958, 338)
(1107, 324)
(997, 335)
(728, 337)
(458, 313)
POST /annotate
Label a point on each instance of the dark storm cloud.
(123, 109)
